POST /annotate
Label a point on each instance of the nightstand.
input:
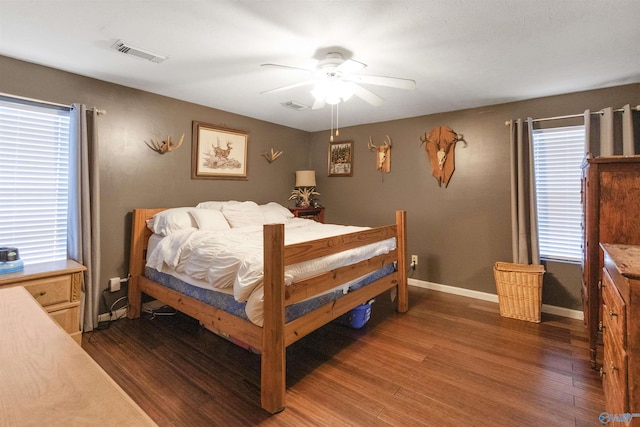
(316, 214)
(57, 287)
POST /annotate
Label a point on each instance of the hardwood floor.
(449, 361)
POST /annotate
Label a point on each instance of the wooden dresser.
(46, 379)
(611, 200)
(57, 287)
(621, 331)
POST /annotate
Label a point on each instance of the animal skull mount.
(383, 158)
(165, 146)
(440, 145)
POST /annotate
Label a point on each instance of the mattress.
(224, 268)
(226, 301)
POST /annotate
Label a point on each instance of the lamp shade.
(305, 178)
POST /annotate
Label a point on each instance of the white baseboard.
(118, 314)
(551, 309)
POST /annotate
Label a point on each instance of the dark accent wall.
(132, 175)
(458, 232)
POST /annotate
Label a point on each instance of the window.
(558, 156)
(34, 175)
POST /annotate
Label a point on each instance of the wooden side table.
(57, 287)
(316, 214)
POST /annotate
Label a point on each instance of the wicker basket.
(519, 289)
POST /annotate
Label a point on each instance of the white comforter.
(234, 258)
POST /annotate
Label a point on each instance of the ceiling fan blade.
(291, 86)
(383, 81)
(287, 67)
(367, 95)
(318, 103)
(350, 66)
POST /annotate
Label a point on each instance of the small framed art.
(341, 158)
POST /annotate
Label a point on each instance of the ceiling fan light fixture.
(333, 91)
(332, 100)
(335, 80)
(319, 91)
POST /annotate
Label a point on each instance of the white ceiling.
(461, 53)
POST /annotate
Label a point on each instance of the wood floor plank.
(448, 361)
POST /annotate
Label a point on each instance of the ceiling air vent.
(126, 48)
(295, 105)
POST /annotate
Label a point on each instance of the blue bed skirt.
(228, 303)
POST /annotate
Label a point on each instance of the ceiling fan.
(335, 79)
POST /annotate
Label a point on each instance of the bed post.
(403, 291)
(136, 261)
(134, 298)
(137, 256)
(273, 360)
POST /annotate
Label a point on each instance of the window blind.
(34, 176)
(558, 156)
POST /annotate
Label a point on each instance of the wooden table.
(316, 214)
(47, 379)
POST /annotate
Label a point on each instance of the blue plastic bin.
(359, 316)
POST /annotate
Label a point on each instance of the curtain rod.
(53, 104)
(572, 116)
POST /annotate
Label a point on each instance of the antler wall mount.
(271, 156)
(383, 154)
(165, 146)
(440, 144)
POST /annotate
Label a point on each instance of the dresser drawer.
(57, 287)
(614, 316)
(49, 291)
(68, 318)
(614, 377)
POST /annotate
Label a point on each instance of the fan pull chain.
(331, 132)
(337, 121)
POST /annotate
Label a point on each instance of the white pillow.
(209, 219)
(242, 214)
(170, 220)
(211, 205)
(275, 213)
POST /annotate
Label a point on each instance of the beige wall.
(458, 232)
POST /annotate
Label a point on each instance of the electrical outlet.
(414, 260)
(114, 284)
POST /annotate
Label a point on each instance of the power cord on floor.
(165, 310)
(106, 324)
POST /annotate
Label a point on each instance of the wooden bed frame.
(273, 338)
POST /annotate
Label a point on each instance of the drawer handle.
(42, 293)
(602, 372)
(612, 314)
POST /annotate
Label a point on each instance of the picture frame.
(218, 152)
(341, 158)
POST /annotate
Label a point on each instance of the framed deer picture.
(218, 152)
